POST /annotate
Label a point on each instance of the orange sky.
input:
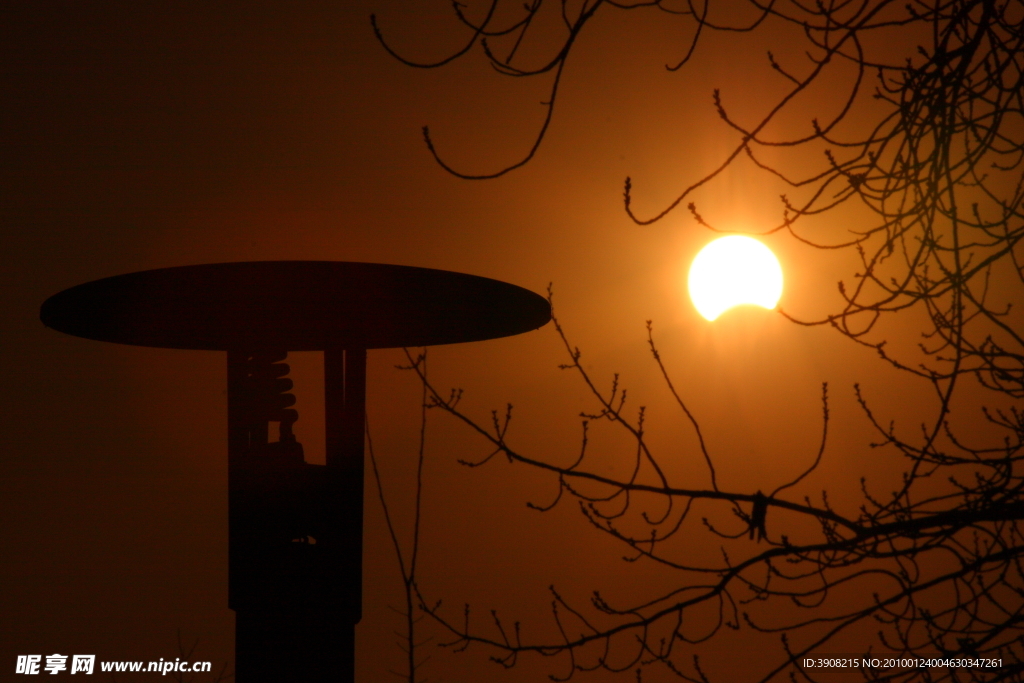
(138, 137)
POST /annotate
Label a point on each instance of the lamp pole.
(294, 528)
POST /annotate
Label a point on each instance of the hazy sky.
(145, 135)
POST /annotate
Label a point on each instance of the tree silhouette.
(409, 637)
(931, 146)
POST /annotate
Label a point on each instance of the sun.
(731, 271)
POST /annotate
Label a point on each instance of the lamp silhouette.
(295, 528)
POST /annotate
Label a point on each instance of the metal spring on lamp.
(266, 388)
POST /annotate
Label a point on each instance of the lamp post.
(295, 528)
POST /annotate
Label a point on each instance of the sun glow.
(731, 271)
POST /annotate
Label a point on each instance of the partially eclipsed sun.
(731, 271)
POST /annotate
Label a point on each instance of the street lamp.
(295, 528)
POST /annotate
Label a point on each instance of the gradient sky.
(145, 135)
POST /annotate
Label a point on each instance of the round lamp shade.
(294, 306)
